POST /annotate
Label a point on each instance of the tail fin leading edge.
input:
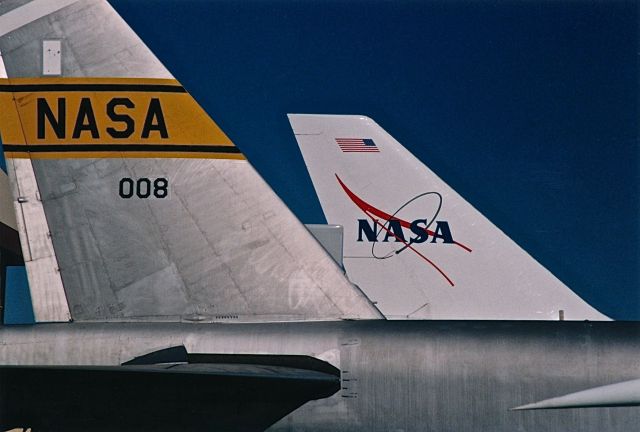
(150, 211)
(412, 244)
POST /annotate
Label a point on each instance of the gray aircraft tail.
(132, 204)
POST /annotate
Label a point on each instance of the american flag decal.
(357, 145)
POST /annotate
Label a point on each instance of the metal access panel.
(51, 57)
(330, 237)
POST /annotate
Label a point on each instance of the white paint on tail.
(476, 272)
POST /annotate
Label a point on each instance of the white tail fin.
(414, 245)
(132, 203)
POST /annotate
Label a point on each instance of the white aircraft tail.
(412, 244)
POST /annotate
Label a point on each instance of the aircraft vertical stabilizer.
(132, 203)
(412, 244)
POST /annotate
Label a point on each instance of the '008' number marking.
(143, 188)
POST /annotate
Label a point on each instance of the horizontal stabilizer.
(232, 396)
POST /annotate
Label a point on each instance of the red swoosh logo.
(371, 211)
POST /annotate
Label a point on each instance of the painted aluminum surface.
(400, 375)
(481, 274)
(45, 283)
(220, 245)
(7, 214)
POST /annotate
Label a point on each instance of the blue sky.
(528, 109)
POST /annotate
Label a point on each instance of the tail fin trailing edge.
(413, 244)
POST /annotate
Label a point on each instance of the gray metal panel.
(45, 283)
(218, 246)
(7, 215)
(7, 5)
(330, 237)
(95, 42)
(51, 61)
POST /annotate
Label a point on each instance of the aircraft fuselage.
(396, 375)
